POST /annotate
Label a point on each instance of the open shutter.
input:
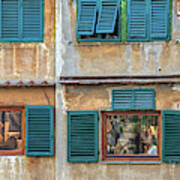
(171, 136)
(133, 99)
(39, 131)
(159, 19)
(86, 17)
(107, 16)
(32, 19)
(9, 19)
(82, 136)
(137, 20)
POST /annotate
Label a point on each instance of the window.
(12, 130)
(98, 20)
(82, 136)
(21, 20)
(39, 136)
(123, 20)
(148, 20)
(131, 136)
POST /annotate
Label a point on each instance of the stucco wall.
(97, 98)
(31, 61)
(105, 59)
(22, 167)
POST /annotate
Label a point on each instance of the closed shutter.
(82, 136)
(137, 20)
(86, 17)
(122, 99)
(133, 99)
(171, 136)
(9, 19)
(32, 19)
(144, 99)
(107, 16)
(39, 131)
(159, 20)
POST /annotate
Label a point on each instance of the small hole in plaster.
(159, 69)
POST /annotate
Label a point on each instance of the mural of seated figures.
(133, 135)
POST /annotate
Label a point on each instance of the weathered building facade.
(116, 84)
(27, 70)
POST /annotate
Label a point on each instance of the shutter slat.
(39, 133)
(107, 16)
(86, 17)
(82, 136)
(171, 136)
(159, 19)
(137, 20)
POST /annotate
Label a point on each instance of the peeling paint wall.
(22, 167)
(31, 61)
(97, 98)
(105, 59)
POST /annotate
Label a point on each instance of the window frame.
(22, 109)
(130, 158)
(20, 39)
(99, 39)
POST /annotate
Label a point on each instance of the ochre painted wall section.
(23, 167)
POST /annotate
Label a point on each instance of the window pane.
(10, 130)
(132, 135)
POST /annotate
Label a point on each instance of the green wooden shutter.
(39, 131)
(86, 17)
(82, 136)
(137, 20)
(171, 136)
(9, 19)
(107, 17)
(159, 19)
(32, 27)
(133, 99)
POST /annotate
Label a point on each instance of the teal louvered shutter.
(32, 20)
(171, 136)
(133, 99)
(159, 19)
(122, 99)
(39, 131)
(82, 136)
(144, 99)
(86, 17)
(107, 17)
(9, 19)
(137, 20)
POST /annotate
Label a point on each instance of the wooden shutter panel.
(39, 131)
(82, 136)
(122, 99)
(133, 99)
(32, 19)
(86, 17)
(107, 16)
(137, 20)
(9, 19)
(159, 20)
(171, 136)
(144, 99)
